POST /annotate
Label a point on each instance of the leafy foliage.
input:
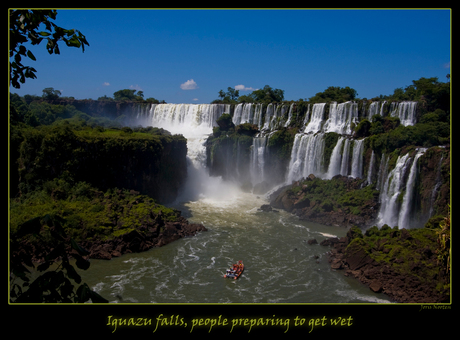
(128, 95)
(229, 97)
(408, 251)
(336, 193)
(58, 285)
(25, 27)
(334, 93)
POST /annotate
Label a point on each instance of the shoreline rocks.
(136, 242)
(416, 284)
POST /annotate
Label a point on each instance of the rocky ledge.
(141, 240)
(399, 263)
(340, 201)
(106, 225)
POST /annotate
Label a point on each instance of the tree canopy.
(266, 95)
(336, 94)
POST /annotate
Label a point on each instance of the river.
(280, 266)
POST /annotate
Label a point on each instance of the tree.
(335, 93)
(25, 27)
(267, 95)
(126, 95)
(229, 97)
(50, 93)
(58, 285)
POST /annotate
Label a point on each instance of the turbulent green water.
(280, 266)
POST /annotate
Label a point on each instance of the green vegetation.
(334, 94)
(55, 285)
(266, 95)
(408, 251)
(88, 213)
(280, 143)
(386, 134)
(336, 194)
(56, 220)
(24, 28)
(129, 95)
(229, 97)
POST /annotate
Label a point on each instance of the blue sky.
(187, 56)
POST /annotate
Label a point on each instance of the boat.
(235, 271)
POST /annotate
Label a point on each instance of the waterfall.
(183, 118)
(307, 117)
(407, 204)
(258, 115)
(383, 172)
(389, 197)
(369, 170)
(357, 160)
(277, 115)
(346, 151)
(306, 156)
(268, 116)
(257, 161)
(375, 109)
(288, 121)
(238, 114)
(195, 122)
(336, 160)
(316, 118)
(341, 117)
(405, 111)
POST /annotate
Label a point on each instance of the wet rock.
(266, 208)
(376, 286)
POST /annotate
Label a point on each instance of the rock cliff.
(154, 165)
(341, 201)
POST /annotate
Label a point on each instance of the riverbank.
(106, 224)
(402, 264)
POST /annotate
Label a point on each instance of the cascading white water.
(278, 118)
(306, 156)
(345, 156)
(406, 112)
(307, 117)
(195, 122)
(389, 197)
(257, 161)
(375, 108)
(371, 166)
(316, 118)
(407, 206)
(268, 116)
(341, 117)
(357, 160)
(288, 121)
(336, 160)
(244, 113)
